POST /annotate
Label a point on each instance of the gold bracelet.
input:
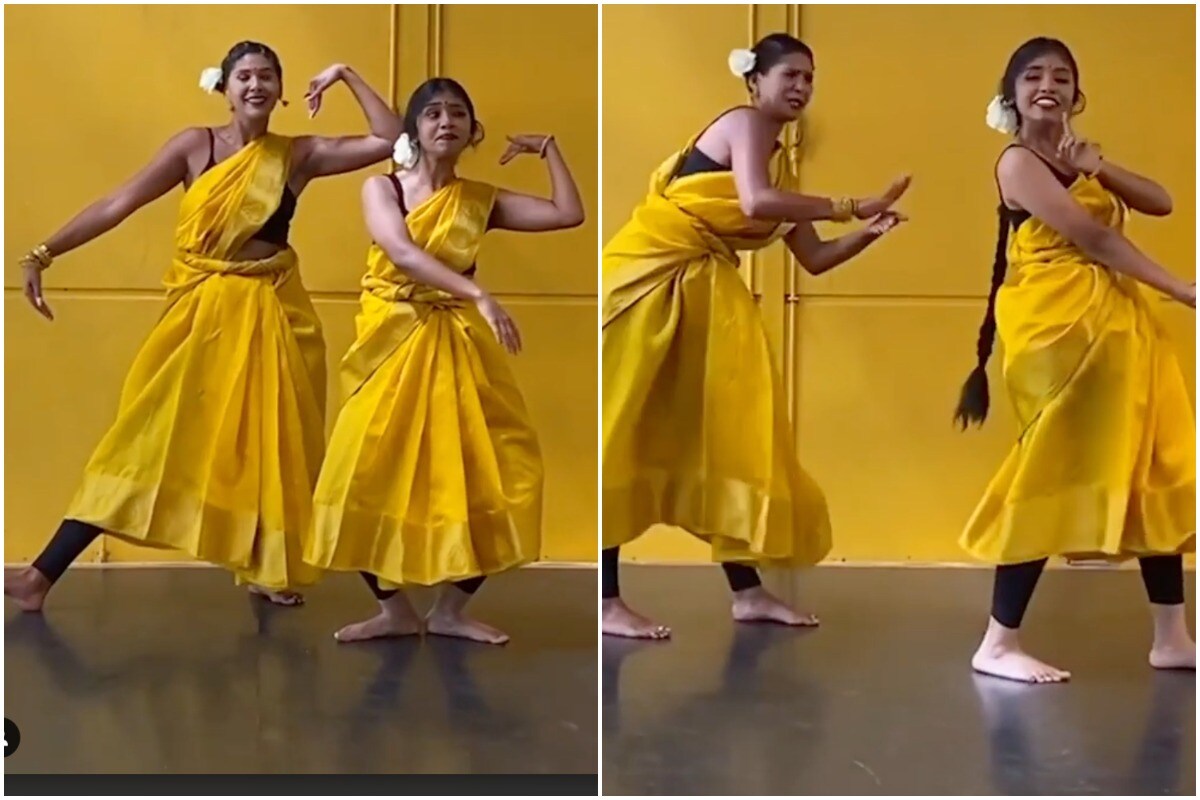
(40, 256)
(1092, 175)
(545, 143)
(843, 209)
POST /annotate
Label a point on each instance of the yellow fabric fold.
(1104, 465)
(695, 422)
(433, 472)
(219, 432)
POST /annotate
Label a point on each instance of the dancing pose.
(696, 430)
(1104, 464)
(219, 433)
(434, 474)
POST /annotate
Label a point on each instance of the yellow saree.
(219, 430)
(1105, 460)
(433, 472)
(695, 426)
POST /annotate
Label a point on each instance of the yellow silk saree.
(1104, 465)
(433, 472)
(695, 424)
(219, 431)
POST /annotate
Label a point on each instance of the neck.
(776, 124)
(247, 130)
(1042, 136)
(438, 171)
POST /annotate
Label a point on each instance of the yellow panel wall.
(123, 93)
(883, 344)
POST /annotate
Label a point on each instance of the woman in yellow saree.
(220, 428)
(433, 473)
(695, 428)
(1104, 464)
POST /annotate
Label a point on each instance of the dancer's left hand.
(1081, 154)
(523, 143)
(885, 222)
(317, 86)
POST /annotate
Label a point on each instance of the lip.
(446, 137)
(796, 102)
(1046, 102)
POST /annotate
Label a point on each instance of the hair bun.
(741, 62)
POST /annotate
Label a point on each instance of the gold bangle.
(1092, 175)
(545, 143)
(40, 256)
(843, 209)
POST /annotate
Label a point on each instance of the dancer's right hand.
(501, 323)
(1188, 296)
(874, 206)
(33, 290)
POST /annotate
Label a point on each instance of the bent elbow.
(753, 205)
(1095, 240)
(1162, 207)
(572, 219)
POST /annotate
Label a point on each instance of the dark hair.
(240, 51)
(425, 93)
(772, 49)
(975, 400)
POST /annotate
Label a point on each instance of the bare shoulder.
(1015, 164)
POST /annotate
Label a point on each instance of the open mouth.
(1048, 103)
(795, 103)
(256, 100)
(446, 137)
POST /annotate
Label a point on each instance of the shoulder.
(377, 186)
(189, 139)
(1015, 162)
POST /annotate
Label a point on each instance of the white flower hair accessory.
(741, 61)
(405, 152)
(210, 79)
(1001, 116)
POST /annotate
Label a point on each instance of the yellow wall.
(884, 343)
(125, 80)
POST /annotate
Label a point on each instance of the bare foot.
(1007, 660)
(1174, 657)
(27, 587)
(381, 626)
(281, 598)
(619, 619)
(458, 625)
(759, 605)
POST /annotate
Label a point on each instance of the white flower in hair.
(1001, 116)
(741, 62)
(405, 152)
(210, 78)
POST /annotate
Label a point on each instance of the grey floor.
(881, 701)
(178, 671)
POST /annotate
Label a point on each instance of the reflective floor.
(177, 671)
(881, 699)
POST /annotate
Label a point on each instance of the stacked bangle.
(39, 257)
(844, 209)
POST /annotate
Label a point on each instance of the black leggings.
(71, 539)
(739, 576)
(1162, 575)
(469, 585)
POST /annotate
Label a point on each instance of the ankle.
(999, 637)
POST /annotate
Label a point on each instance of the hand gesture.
(874, 206)
(884, 223)
(501, 323)
(1082, 155)
(523, 143)
(317, 86)
(33, 289)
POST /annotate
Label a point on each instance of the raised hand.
(874, 206)
(317, 86)
(524, 143)
(1082, 155)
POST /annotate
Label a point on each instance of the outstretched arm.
(521, 212)
(818, 256)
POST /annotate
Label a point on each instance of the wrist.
(547, 143)
(476, 293)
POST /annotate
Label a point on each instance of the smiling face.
(786, 89)
(1046, 89)
(444, 125)
(253, 86)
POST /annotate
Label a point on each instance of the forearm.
(836, 252)
(426, 269)
(98, 218)
(564, 194)
(1113, 250)
(775, 204)
(383, 121)
(1140, 194)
